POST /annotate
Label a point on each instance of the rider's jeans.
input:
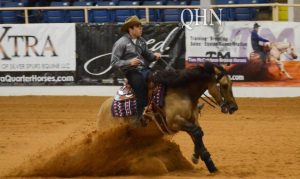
(137, 80)
(263, 55)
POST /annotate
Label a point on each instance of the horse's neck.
(275, 53)
(281, 45)
(278, 48)
(184, 93)
(196, 92)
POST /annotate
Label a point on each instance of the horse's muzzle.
(228, 108)
(224, 108)
(232, 108)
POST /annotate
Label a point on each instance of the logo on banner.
(159, 46)
(206, 18)
(24, 45)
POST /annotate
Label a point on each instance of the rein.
(209, 103)
(210, 100)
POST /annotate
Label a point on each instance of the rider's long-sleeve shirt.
(255, 40)
(125, 49)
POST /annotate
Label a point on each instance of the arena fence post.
(86, 16)
(275, 11)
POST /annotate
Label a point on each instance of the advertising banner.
(230, 45)
(37, 54)
(95, 42)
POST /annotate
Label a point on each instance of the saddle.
(124, 93)
(255, 56)
(124, 105)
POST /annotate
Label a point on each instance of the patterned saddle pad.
(124, 103)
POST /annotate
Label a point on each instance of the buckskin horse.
(183, 90)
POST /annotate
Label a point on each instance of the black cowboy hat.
(256, 25)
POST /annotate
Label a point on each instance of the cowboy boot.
(139, 121)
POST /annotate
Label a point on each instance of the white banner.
(231, 42)
(37, 47)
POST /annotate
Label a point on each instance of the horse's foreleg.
(282, 69)
(280, 65)
(200, 151)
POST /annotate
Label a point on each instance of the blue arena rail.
(87, 9)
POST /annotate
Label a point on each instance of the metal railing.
(275, 8)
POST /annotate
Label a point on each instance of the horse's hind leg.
(200, 151)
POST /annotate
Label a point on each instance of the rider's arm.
(147, 54)
(117, 53)
(262, 39)
(255, 36)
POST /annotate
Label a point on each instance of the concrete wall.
(266, 92)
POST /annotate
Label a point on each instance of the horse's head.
(221, 90)
(285, 48)
(290, 54)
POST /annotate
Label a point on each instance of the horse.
(183, 90)
(277, 50)
(273, 69)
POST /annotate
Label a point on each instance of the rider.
(258, 42)
(131, 54)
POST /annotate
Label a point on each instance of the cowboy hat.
(129, 22)
(256, 25)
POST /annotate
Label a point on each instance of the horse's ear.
(209, 67)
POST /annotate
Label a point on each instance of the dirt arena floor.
(55, 136)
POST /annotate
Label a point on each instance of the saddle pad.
(124, 108)
(128, 107)
(159, 95)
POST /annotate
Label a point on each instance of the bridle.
(218, 78)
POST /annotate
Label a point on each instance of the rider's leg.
(139, 86)
(263, 56)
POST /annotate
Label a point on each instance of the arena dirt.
(57, 137)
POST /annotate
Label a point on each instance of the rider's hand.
(135, 62)
(157, 56)
(267, 44)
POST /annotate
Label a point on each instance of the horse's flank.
(106, 121)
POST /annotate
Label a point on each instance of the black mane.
(181, 78)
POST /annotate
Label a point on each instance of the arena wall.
(265, 92)
(80, 64)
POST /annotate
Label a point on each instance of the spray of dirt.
(115, 152)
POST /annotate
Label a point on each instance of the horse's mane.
(281, 45)
(180, 78)
(221, 68)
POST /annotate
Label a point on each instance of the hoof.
(195, 159)
(211, 166)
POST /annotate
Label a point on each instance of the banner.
(37, 54)
(230, 46)
(95, 42)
